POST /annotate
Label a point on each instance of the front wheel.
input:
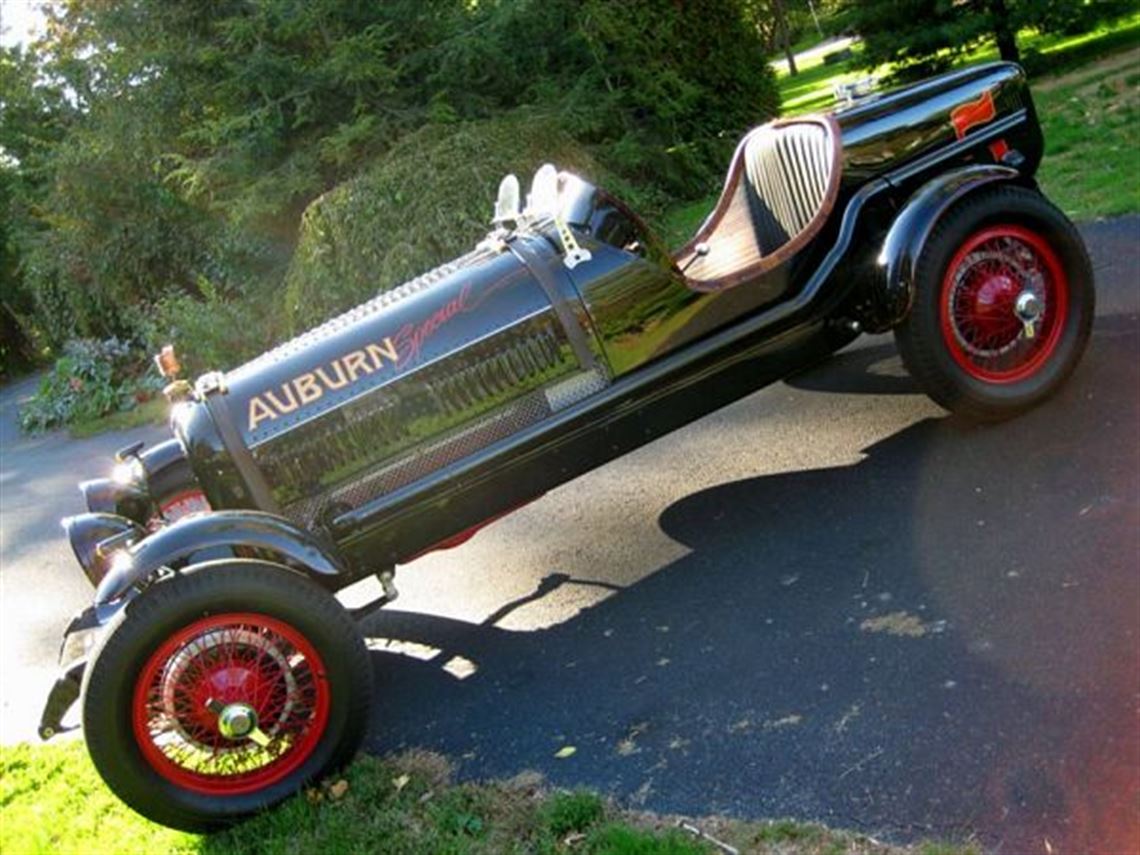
(1003, 305)
(223, 691)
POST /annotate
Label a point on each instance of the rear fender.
(893, 290)
(199, 537)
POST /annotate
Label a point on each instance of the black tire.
(967, 348)
(291, 648)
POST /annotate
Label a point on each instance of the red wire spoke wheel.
(1003, 304)
(222, 690)
(203, 693)
(1004, 301)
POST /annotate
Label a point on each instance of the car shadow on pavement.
(874, 370)
(936, 641)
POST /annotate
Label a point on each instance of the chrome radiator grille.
(421, 461)
(431, 417)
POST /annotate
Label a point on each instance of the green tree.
(164, 153)
(922, 37)
(34, 117)
(17, 346)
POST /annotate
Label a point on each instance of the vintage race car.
(218, 672)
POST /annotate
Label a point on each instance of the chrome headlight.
(97, 538)
(113, 496)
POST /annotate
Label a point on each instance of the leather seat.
(789, 171)
(780, 188)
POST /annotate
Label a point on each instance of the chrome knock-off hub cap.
(1028, 307)
(236, 721)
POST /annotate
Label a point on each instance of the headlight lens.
(111, 496)
(129, 472)
(88, 532)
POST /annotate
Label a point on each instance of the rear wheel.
(1003, 305)
(223, 691)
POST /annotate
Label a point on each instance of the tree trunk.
(784, 35)
(1004, 31)
(16, 349)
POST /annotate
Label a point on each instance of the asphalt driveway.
(827, 601)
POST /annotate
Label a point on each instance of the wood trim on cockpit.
(731, 196)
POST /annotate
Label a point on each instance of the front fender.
(195, 534)
(78, 640)
(898, 259)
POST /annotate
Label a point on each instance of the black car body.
(571, 335)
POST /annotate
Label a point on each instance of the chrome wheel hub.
(1028, 309)
(237, 721)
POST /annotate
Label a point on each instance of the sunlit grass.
(1090, 118)
(152, 412)
(53, 801)
(812, 90)
(681, 223)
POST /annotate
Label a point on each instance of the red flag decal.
(973, 113)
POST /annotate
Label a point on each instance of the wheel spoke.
(999, 273)
(265, 669)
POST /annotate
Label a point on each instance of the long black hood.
(379, 343)
(403, 384)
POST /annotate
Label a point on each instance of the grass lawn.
(812, 89)
(1089, 110)
(53, 802)
(153, 412)
(680, 223)
(1092, 138)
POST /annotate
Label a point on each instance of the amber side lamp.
(169, 367)
(167, 361)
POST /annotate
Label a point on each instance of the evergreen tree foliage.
(923, 37)
(158, 151)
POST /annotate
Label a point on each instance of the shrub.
(158, 143)
(427, 202)
(210, 330)
(90, 380)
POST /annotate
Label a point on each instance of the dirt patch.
(897, 623)
(1115, 62)
(433, 768)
